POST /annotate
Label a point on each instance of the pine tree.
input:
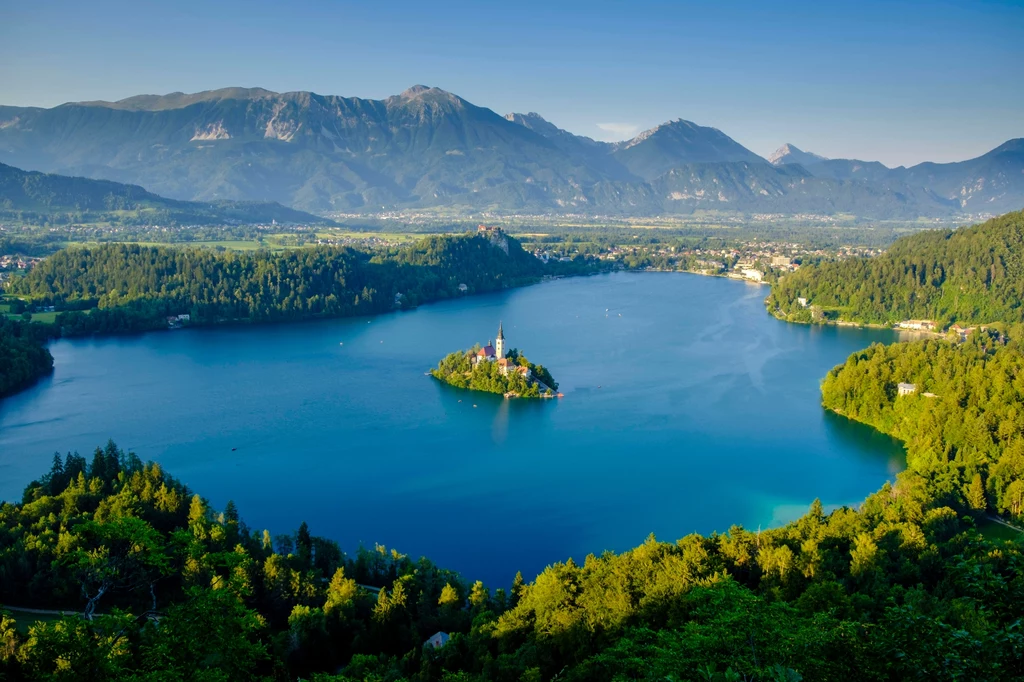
(304, 545)
(478, 596)
(98, 468)
(518, 589)
(976, 494)
(341, 592)
(196, 511)
(449, 597)
(55, 482)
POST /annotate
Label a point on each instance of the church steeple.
(499, 343)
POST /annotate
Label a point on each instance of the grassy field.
(277, 241)
(23, 621)
(48, 318)
(228, 244)
(997, 531)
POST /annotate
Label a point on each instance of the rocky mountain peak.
(790, 153)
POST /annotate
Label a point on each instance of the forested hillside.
(32, 197)
(136, 287)
(963, 427)
(23, 358)
(971, 275)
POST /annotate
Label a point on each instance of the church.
(496, 353)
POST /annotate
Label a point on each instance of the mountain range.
(30, 195)
(430, 148)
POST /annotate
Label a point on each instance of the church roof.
(486, 352)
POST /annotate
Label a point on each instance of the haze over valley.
(428, 148)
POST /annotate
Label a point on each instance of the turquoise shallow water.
(687, 408)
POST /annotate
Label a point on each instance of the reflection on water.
(866, 442)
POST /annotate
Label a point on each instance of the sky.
(898, 82)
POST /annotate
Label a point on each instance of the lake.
(687, 409)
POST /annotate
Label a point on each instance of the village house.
(916, 325)
(506, 366)
(962, 332)
(906, 389)
(753, 275)
(176, 321)
(437, 640)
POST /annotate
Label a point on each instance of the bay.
(687, 408)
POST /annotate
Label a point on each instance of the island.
(494, 369)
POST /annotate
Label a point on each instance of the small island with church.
(496, 369)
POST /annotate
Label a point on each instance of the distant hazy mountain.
(24, 193)
(789, 154)
(791, 189)
(654, 152)
(990, 183)
(851, 169)
(427, 147)
(596, 154)
(993, 182)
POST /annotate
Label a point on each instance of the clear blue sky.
(899, 82)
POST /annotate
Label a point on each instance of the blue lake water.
(687, 408)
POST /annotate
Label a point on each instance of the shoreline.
(859, 325)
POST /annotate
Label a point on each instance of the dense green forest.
(136, 287)
(23, 358)
(970, 275)
(457, 369)
(963, 426)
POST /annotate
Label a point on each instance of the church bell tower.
(499, 344)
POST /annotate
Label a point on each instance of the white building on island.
(491, 353)
(497, 353)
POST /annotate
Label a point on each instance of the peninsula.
(496, 369)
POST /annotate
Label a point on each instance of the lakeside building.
(906, 389)
(916, 325)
